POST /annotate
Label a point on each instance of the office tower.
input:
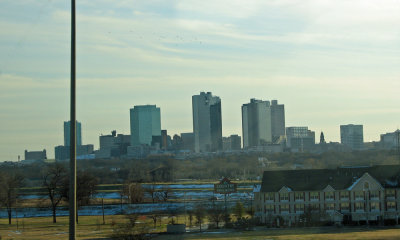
(231, 143)
(207, 122)
(145, 123)
(262, 122)
(188, 141)
(352, 136)
(67, 131)
(390, 140)
(164, 139)
(256, 123)
(300, 139)
(277, 120)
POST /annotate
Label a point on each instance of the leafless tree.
(9, 185)
(54, 176)
(85, 188)
(200, 214)
(134, 192)
(216, 214)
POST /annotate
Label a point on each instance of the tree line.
(55, 180)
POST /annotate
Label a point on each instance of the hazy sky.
(329, 62)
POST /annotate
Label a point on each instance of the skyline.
(329, 63)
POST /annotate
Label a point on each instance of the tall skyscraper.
(352, 136)
(145, 123)
(256, 123)
(67, 132)
(262, 122)
(207, 122)
(277, 120)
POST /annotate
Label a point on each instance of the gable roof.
(339, 178)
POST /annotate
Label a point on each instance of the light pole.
(72, 163)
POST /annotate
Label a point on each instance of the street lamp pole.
(72, 164)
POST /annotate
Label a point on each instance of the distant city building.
(352, 136)
(262, 123)
(188, 141)
(35, 155)
(256, 123)
(67, 133)
(207, 122)
(177, 143)
(231, 143)
(113, 145)
(139, 151)
(277, 120)
(390, 140)
(145, 123)
(63, 152)
(300, 139)
(164, 140)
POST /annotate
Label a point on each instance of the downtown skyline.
(329, 63)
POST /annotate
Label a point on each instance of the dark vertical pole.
(72, 181)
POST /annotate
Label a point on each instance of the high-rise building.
(231, 143)
(67, 133)
(300, 139)
(207, 122)
(256, 123)
(262, 122)
(390, 140)
(188, 141)
(277, 120)
(352, 136)
(145, 123)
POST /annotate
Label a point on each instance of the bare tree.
(53, 178)
(200, 214)
(152, 192)
(85, 189)
(190, 215)
(134, 192)
(216, 214)
(9, 184)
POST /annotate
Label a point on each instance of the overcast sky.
(330, 63)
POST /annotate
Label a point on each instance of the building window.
(299, 207)
(360, 206)
(269, 197)
(359, 195)
(344, 206)
(374, 206)
(329, 195)
(299, 196)
(314, 207)
(391, 205)
(314, 196)
(344, 195)
(269, 208)
(389, 192)
(330, 206)
(284, 196)
(284, 207)
(374, 194)
(366, 186)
